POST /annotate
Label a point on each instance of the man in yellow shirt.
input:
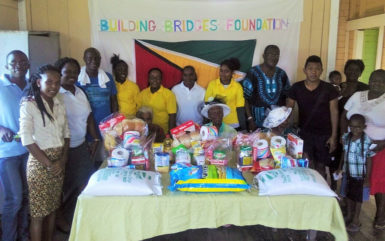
(230, 92)
(160, 99)
(127, 91)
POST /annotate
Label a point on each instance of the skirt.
(44, 188)
(377, 180)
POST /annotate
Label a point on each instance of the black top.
(341, 103)
(314, 108)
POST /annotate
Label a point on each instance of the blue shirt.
(10, 96)
(99, 98)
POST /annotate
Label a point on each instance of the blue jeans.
(15, 209)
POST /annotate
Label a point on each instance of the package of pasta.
(207, 178)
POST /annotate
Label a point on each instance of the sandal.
(353, 227)
(379, 225)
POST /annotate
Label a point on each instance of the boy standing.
(357, 166)
(318, 114)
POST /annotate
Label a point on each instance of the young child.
(335, 79)
(357, 167)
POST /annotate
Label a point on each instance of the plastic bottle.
(167, 147)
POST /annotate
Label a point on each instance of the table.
(141, 217)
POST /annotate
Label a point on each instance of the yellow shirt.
(232, 95)
(127, 97)
(162, 102)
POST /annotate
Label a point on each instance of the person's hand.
(252, 125)
(380, 146)
(56, 168)
(6, 134)
(332, 143)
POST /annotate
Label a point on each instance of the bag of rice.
(122, 181)
(296, 180)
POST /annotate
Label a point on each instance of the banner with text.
(171, 34)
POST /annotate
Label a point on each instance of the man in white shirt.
(189, 97)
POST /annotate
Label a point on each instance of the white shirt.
(32, 129)
(188, 102)
(78, 109)
(372, 110)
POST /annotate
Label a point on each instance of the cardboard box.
(294, 146)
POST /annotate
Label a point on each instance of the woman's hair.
(232, 63)
(115, 60)
(34, 90)
(357, 62)
(63, 61)
(333, 73)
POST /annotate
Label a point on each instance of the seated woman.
(215, 111)
(145, 113)
(277, 121)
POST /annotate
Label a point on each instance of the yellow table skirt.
(135, 218)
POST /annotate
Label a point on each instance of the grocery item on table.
(263, 165)
(218, 151)
(261, 149)
(157, 147)
(167, 147)
(288, 161)
(162, 161)
(126, 141)
(206, 178)
(294, 146)
(119, 157)
(208, 133)
(294, 180)
(278, 149)
(245, 156)
(123, 181)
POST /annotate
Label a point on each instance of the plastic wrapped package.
(206, 178)
(126, 141)
(123, 182)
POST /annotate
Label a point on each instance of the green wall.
(369, 52)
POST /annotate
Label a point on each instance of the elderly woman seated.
(145, 113)
(215, 111)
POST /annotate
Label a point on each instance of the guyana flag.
(204, 55)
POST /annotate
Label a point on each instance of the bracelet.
(249, 118)
(96, 140)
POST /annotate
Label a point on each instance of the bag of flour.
(122, 181)
(296, 180)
